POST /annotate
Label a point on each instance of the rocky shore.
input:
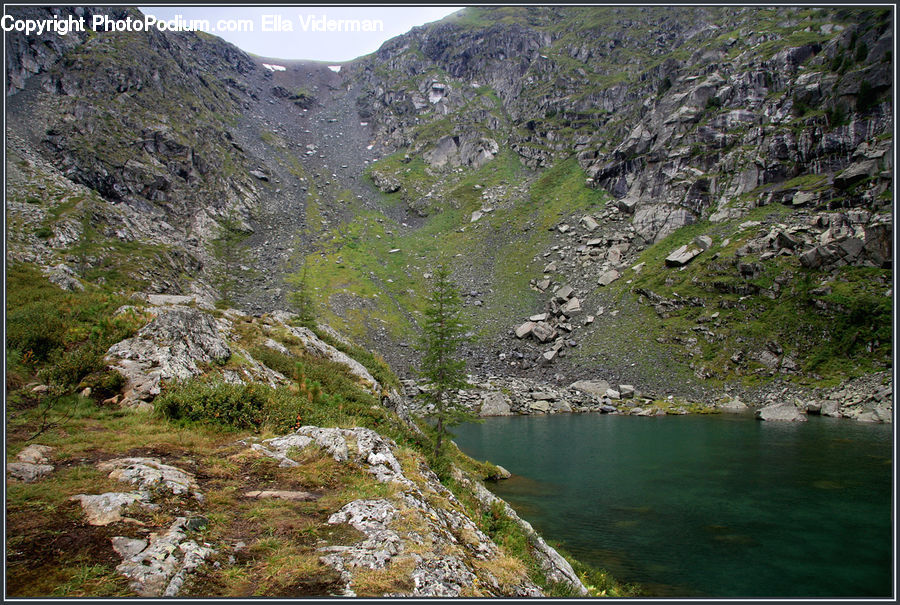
(865, 399)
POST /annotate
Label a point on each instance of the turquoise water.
(716, 506)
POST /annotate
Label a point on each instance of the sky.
(298, 34)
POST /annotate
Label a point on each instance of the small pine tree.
(86, 241)
(443, 372)
(226, 248)
(300, 298)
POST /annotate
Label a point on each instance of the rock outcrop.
(444, 554)
(168, 348)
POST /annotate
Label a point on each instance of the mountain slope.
(484, 140)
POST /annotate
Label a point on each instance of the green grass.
(849, 338)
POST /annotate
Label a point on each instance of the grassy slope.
(849, 339)
(189, 430)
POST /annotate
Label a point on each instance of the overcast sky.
(304, 43)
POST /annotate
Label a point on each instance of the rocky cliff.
(537, 149)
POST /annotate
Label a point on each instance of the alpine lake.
(704, 505)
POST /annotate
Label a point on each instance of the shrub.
(284, 364)
(103, 384)
(240, 406)
(74, 364)
(35, 327)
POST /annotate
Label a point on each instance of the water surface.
(721, 506)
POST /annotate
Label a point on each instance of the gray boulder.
(608, 277)
(150, 474)
(495, 404)
(589, 223)
(682, 255)
(831, 407)
(597, 388)
(543, 331)
(525, 329)
(35, 454)
(388, 183)
(784, 412)
(27, 472)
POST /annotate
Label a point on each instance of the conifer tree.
(300, 298)
(226, 248)
(442, 370)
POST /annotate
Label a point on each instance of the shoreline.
(868, 398)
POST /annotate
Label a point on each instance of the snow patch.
(335, 68)
(274, 67)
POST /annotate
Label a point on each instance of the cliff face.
(677, 115)
(488, 137)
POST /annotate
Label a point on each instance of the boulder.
(548, 356)
(682, 255)
(565, 292)
(597, 388)
(495, 404)
(160, 300)
(387, 183)
(613, 394)
(589, 223)
(28, 472)
(543, 331)
(525, 329)
(35, 454)
(785, 412)
(107, 508)
(542, 396)
(608, 277)
(150, 474)
(855, 173)
(831, 408)
(572, 307)
(540, 406)
(169, 347)
(500, 474)
(64, 277)
(626, 391)
(127, 547)
(704, 242)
